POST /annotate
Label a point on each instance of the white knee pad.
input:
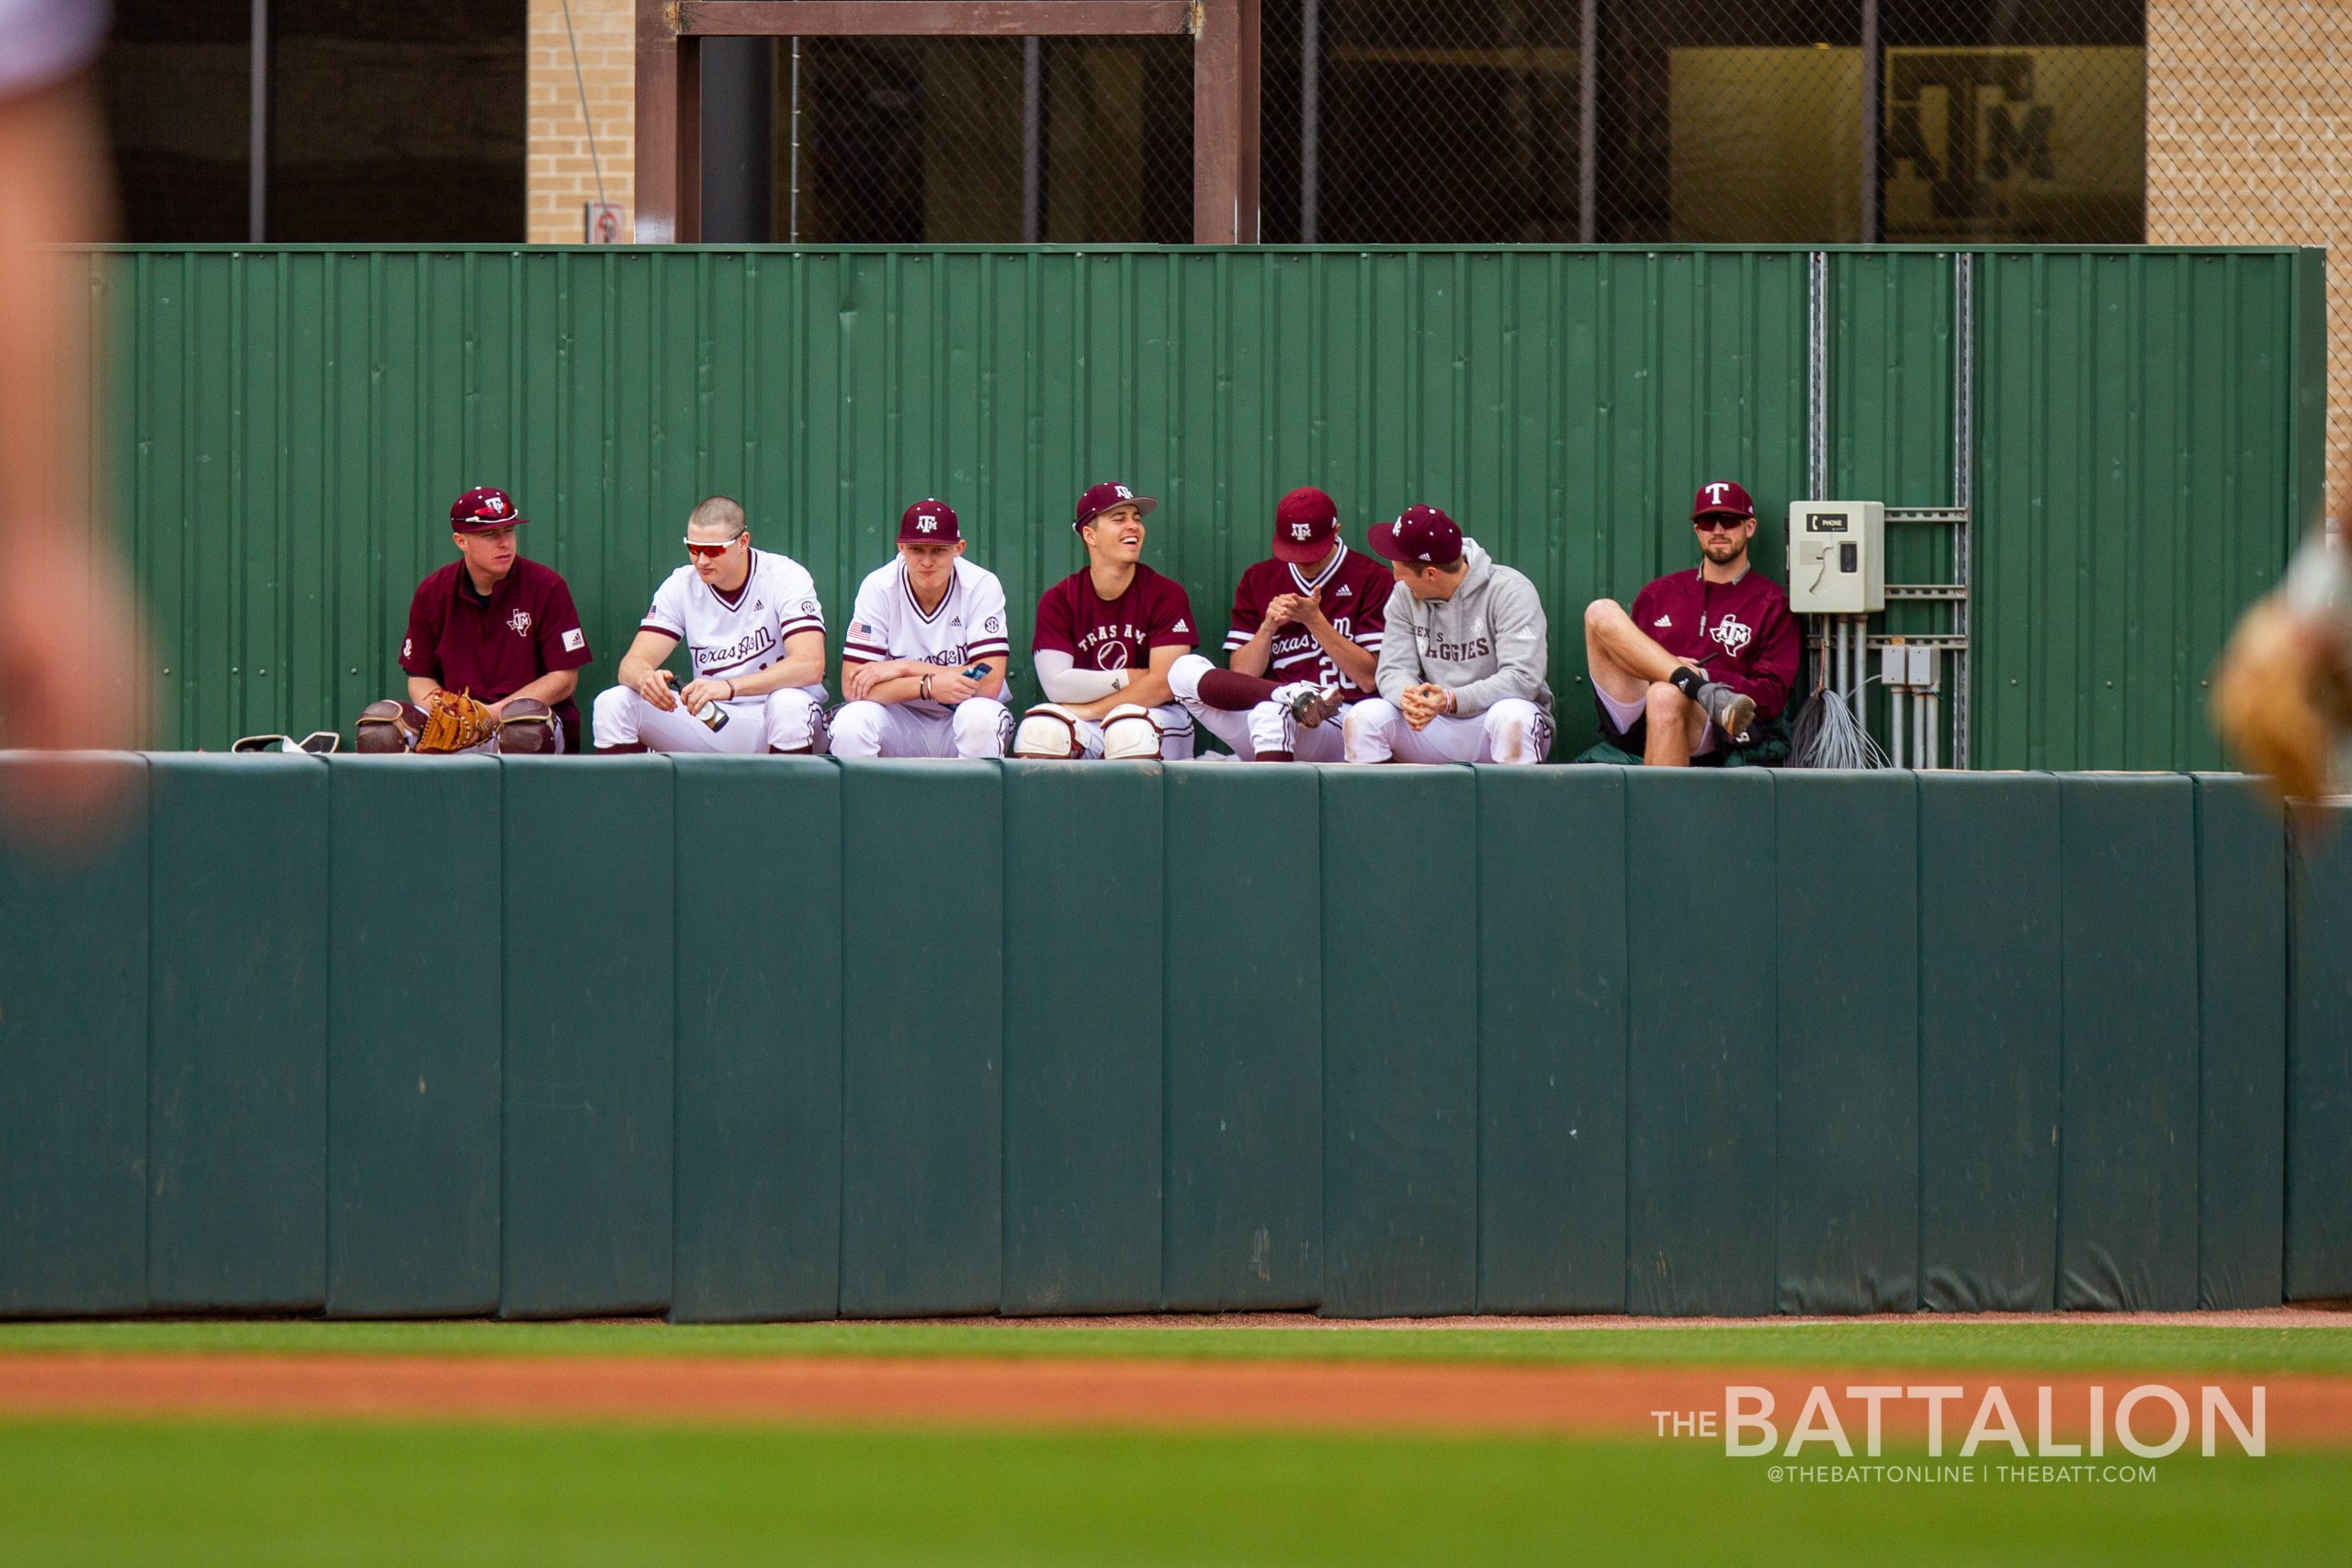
(982, 726)
(856, 729)
(1049, 730)
(1129, 734)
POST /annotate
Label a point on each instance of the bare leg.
(1676, 723)
(1623, 659)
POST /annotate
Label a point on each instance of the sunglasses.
(1717, 524)
(700, 551)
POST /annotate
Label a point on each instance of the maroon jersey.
(493, 648)
(1354, 591)
(1113, 634)
(1743, 630)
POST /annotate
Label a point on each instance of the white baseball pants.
(979, 726)
(781, 721)
(1513, 730)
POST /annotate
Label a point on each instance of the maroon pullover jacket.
(1742, 631)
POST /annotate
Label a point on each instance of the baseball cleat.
(1732, 711)
(1313, 707)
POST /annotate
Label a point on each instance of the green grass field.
(2088, 1345)
(213, 1492)
(163, 1493)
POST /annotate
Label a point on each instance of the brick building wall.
(561, 176)
(2250, 143)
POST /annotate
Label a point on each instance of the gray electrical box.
(1837, 557)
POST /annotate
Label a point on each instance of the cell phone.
(976, 671)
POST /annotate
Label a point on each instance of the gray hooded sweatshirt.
(1486, 643)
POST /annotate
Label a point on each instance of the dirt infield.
(1599, 1402)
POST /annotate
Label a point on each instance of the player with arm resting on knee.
(758, 639)
(921, 623)
(1106, 636)
(1704, 654)
(1305, 642)
(1462, 665)
(493, 650)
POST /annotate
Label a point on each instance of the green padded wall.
(1400, 1144)
(73, 1106)
(1082, 1058)
(888, 1092)
(922, 1007)
(2319, 1063)
(1551, 1040)
(1701, 1012)
(1990, 1017)
(1244, 1035)
(1849, 1060)
(2127, 1189)
(2241, 1044)
(591, 867)
(237, 1049)
(758, 1087)
(413, 1090)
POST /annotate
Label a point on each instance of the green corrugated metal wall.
(2150, 445)
(287, 428)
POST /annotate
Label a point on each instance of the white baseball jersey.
(967, 625)
(732, 635)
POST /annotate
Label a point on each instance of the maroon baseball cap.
(482, 509)
(1722, 496)
(1422, 536)
(1305, 521)
(928, 523)
(1103, 497)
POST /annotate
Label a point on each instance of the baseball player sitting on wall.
(921, 625)
(1305, 640)
(1705, 655)
(1461, 671)
(1107, 634)
(494, 648)
(758, 639)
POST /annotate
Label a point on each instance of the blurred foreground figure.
(69, 642)
(2282, 693)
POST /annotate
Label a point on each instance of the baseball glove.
(454, 722)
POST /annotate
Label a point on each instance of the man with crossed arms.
(920, 622)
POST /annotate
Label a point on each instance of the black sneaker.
(1312, 708)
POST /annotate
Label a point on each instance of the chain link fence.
(900, 141)
(2067, 122)
(1500, 121)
